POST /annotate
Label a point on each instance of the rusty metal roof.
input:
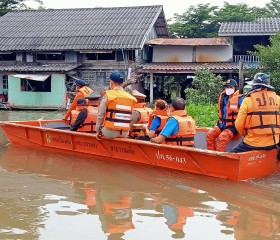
(34, 67)
(190, 41)
(218, 67)
(81, 29)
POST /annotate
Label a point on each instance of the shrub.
(205, 115)
(206, 87)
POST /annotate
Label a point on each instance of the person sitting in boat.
(228, 106)
(82, 91)
(140, 114)
(258, 118)
(157, 120)
(115, 110)
(83, 119)
(180, 128)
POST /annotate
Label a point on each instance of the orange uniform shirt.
(250, 138)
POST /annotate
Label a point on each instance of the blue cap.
(116, 77)
(230, 83)
(80, 82)
(81, 101)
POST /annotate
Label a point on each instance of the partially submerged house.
(41, 50)
(180, 57)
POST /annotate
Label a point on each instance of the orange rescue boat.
(55, 135)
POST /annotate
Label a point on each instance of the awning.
(34, 77)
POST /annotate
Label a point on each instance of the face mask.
(229, 91)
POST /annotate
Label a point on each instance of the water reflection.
(46, 195)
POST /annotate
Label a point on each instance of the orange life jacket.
(85, 91)
(74, 114)
(187, 129)
(145, 113)
(119, 109)
(232, 108)
(264, 119)
(163, 115)
(121, 222)
(89, 125)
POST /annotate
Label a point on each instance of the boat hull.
(224, 165)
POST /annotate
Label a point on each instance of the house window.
(27, 85)
(5, 82)
(7, 56)
(108, 55)
(48, 56)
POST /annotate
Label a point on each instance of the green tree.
(273, 8)
(234, 13)
(270, 60)
(206, 87)
(10, 5)
(195, 22)
(204, 20)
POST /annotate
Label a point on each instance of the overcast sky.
(169, 6)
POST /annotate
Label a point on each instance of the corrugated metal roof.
(190, 41)
(80, 29)
(261, 26)
(189, 67)
(55, 67)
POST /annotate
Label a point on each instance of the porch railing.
(246, 58)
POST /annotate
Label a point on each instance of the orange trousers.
(223, 138)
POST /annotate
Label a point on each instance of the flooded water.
(49, 196)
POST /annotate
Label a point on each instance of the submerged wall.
(41, 100)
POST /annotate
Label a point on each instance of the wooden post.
(241, 76)
(177, 86)
(151, 88)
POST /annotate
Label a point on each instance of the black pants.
(143, 138)
(243, 147)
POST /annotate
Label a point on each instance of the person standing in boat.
(115, 110)
(258, 118)
(228, 106)
(180, 128)
(82, 91)
(140, 113)
(84, 119)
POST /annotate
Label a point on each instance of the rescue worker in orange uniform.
(78, 116)
(115, 110)
(180, 128)
(258, 118)
(228, 106)
(140, 113)
(82, 91)
(85, 120)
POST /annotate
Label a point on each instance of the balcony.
(246, 58)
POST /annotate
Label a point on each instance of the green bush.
(205, 115)
(206, 87)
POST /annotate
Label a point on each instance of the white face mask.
(229, 91)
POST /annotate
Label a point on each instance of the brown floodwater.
(48, 196)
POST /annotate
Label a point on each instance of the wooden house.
(42, 51)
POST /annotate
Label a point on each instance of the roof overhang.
(175, 68)
(246, 34)
(34, 77)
